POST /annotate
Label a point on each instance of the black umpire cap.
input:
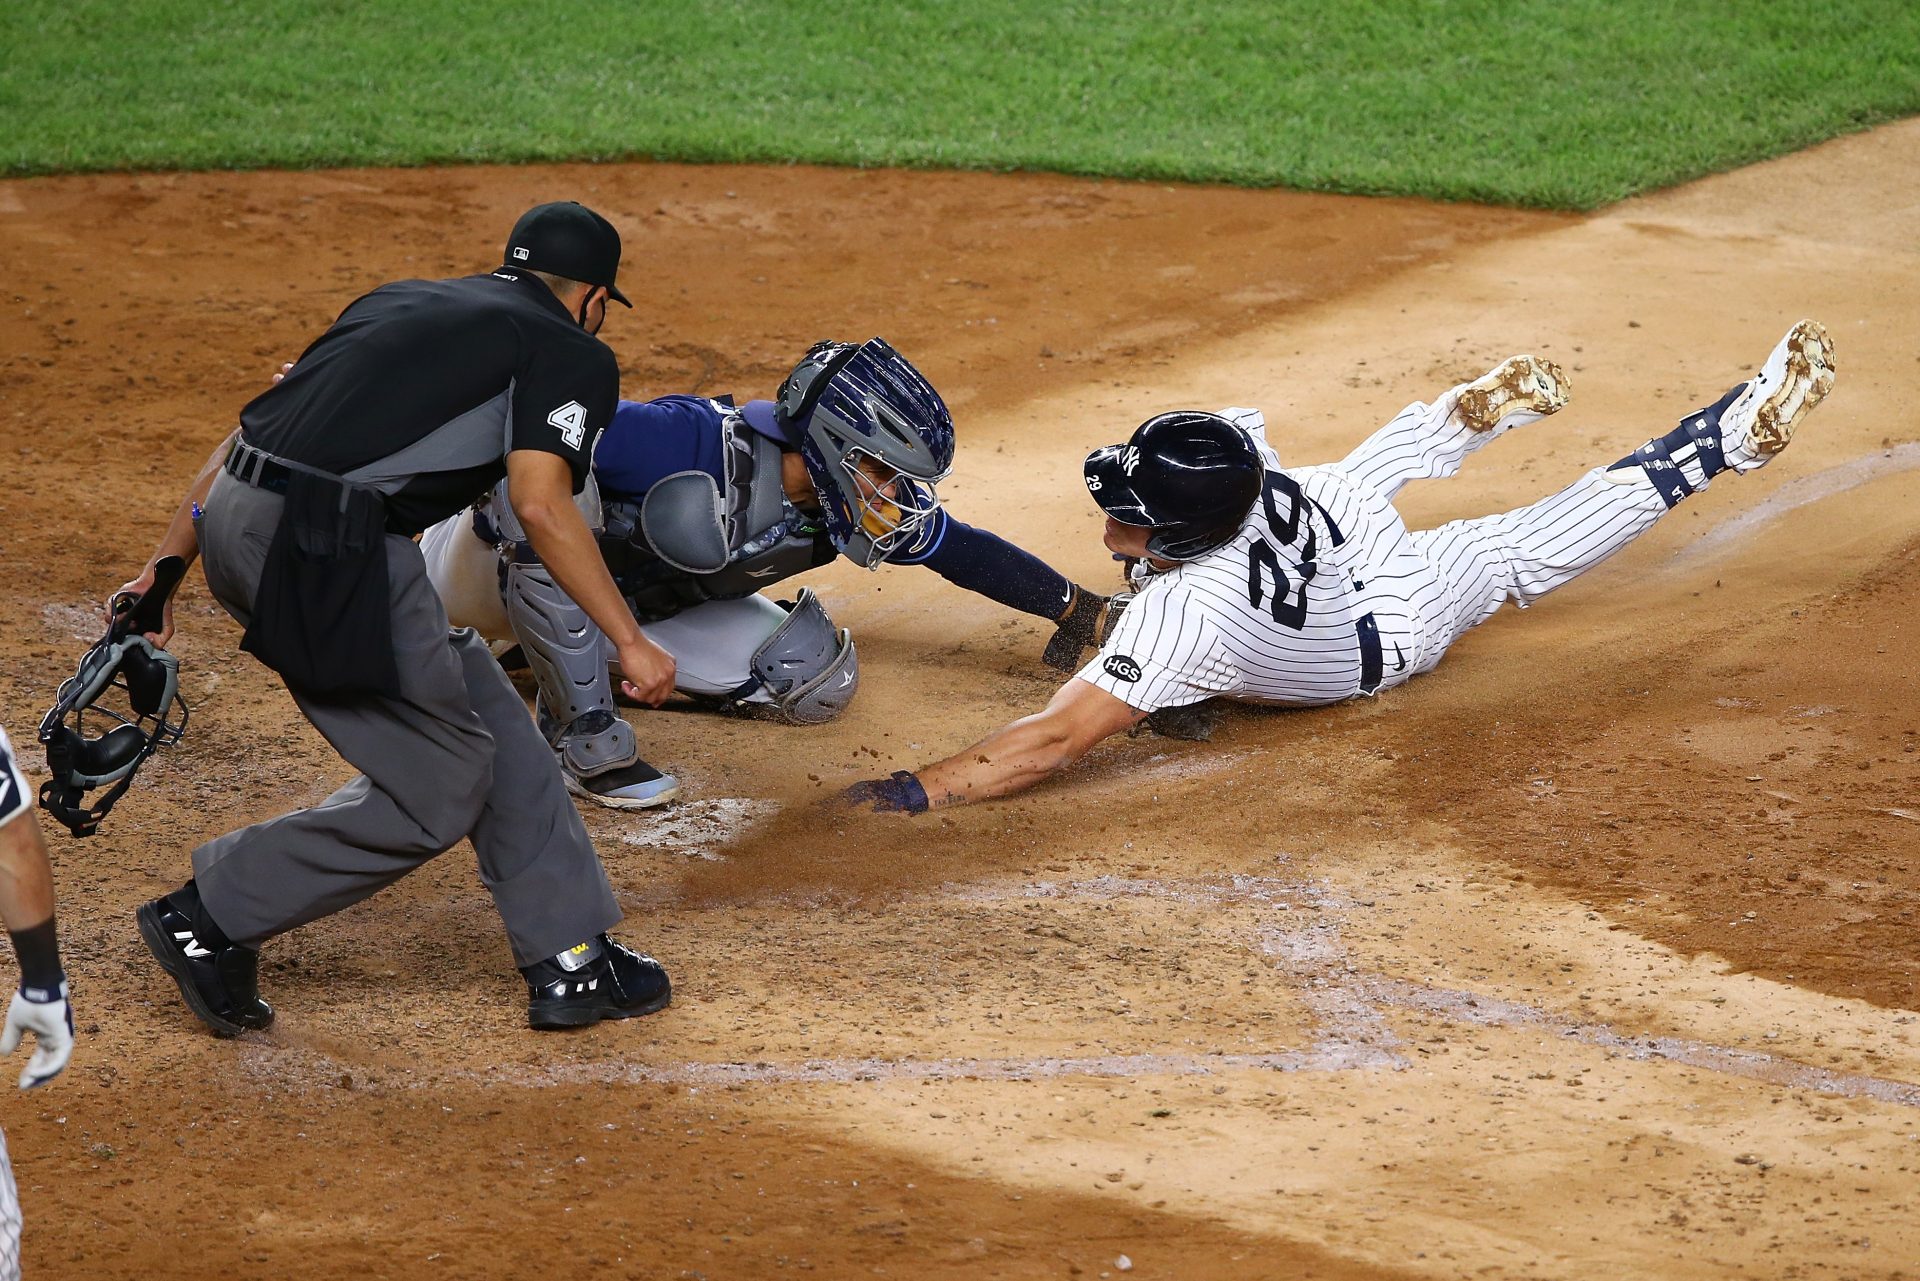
(568, 239)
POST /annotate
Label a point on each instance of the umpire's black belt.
(258, 468)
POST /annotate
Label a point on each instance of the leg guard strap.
(1655, 458)
(1697, 441)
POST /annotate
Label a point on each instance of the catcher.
(1303, 587)
(701, 504)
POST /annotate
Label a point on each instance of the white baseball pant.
(1452, 579)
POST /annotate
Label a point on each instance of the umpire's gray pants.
(455, 756)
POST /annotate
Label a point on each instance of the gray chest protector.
(800, 668)
(690, 540)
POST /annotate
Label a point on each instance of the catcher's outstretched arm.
(987, 564)
(1011, 759)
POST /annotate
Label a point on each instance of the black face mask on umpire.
(123, 660)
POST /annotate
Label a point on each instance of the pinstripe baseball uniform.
(16, 798)
(10, 1222)
(1324, 594)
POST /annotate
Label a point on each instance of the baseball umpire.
(1303, 587)
(418, 399)
(702, 504)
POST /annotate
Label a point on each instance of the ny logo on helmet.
(1129, 459)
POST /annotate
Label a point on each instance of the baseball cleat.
(220, 984)
(1798, 375)
(634, 786)
(597, 980)
(1531, 385)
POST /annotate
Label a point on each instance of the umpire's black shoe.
(597, 980)
(218, 979)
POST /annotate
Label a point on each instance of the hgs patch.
(1122, 668)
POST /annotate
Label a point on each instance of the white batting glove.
(51, 1022)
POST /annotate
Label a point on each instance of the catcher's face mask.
(876, 439)
(113, 712)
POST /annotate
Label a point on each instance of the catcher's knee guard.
(808, 669)
(568, 657)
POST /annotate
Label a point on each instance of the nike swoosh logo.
(1399, 660)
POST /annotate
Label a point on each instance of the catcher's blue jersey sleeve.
(988, 564)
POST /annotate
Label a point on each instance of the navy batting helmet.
(876, 439)
(1191, 477)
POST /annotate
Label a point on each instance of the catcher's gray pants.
(456, 756)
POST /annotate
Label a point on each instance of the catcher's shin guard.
(568, 657)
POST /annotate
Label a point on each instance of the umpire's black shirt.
(482, 365)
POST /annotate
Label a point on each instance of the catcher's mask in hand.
(140, 686)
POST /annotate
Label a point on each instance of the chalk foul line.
(1347, 1006)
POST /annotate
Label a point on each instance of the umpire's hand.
(540, 487)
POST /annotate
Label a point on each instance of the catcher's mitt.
(1088, 621)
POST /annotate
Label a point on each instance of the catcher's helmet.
(1191, 477)
(844, 404)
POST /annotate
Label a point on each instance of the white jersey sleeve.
(16, 798)
(1254, 423)
(1164, 651)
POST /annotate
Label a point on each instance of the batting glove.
(901, 793)
(49, 1016)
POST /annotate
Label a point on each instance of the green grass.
(1557, 103)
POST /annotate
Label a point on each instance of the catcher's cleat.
(1798, 375)
(633, 786)
(1519, 385)
(218, 980)
(597, 980)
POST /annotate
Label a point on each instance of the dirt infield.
(1592, 954)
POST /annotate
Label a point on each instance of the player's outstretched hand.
(51, 1023)
(648, 670)
(899, 794)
